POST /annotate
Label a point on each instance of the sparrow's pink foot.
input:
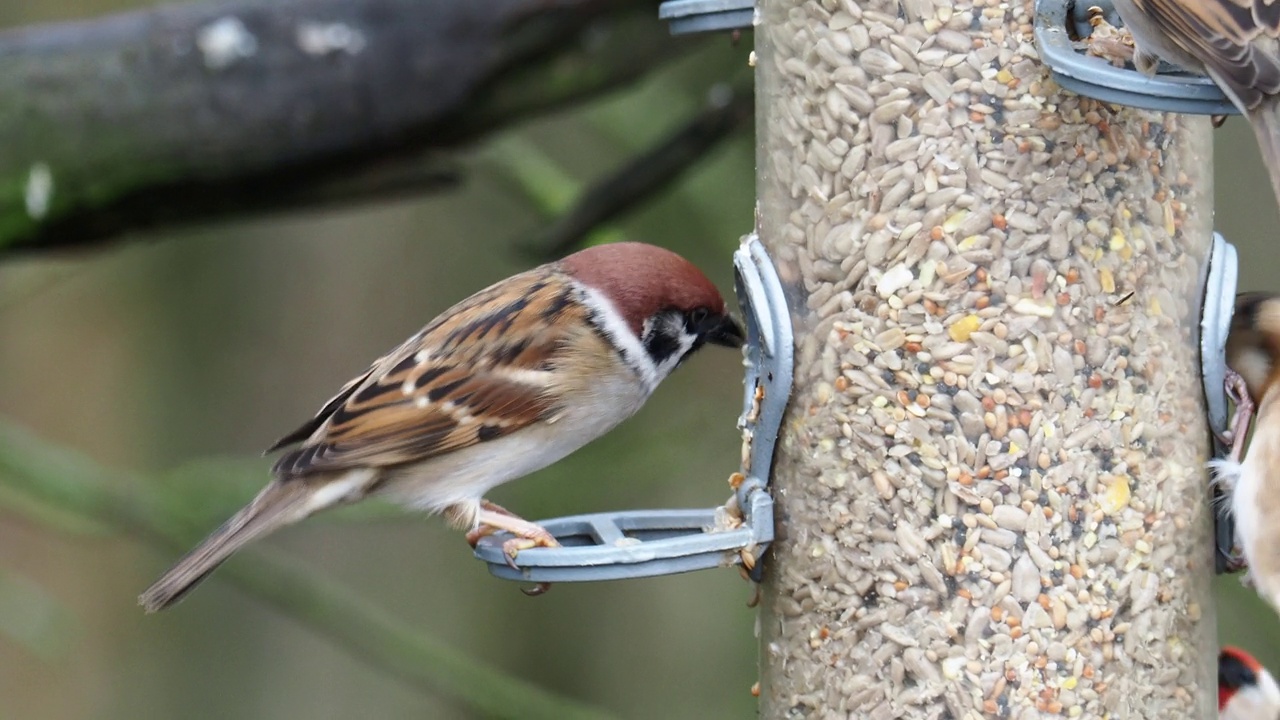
(1235, 563)
(1238, 392)
(528, 535)
(482, 530)
(1238, 430)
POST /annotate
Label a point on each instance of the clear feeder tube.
(991, 487)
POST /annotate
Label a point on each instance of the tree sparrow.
(504, 383)
(1234, 42)
(1246, 691)
(1250, 476)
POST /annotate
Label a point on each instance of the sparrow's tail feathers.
(280, 503)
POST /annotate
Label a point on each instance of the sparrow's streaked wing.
(481, 371)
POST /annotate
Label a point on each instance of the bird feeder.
(992, 474)
(1063, 31)
(692, 16)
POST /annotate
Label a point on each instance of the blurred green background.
(203, 346)
(179, 356)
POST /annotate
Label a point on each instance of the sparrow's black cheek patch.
(661, 344)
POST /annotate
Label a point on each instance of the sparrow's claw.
(492, 518)
(512, 547)
(1238, 392)
(1235, 561)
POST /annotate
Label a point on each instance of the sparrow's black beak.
(724, 330)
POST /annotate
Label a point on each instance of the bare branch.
(647, 173)
(184, 113)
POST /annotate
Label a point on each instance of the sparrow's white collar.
(610, 322)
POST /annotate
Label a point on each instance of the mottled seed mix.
(991, 483)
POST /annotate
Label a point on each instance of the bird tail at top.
(280, 503)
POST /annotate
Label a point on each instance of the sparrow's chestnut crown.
(642, 280)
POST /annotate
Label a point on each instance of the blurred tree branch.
(728, 109)
(545, 185)
(74, 486)
(191, 112)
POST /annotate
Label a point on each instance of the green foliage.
(66, 480)
(209, 343)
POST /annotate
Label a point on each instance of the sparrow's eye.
(699, 315)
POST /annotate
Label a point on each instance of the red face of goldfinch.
(1246, 691)
(502, 384)
(1234, 42)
